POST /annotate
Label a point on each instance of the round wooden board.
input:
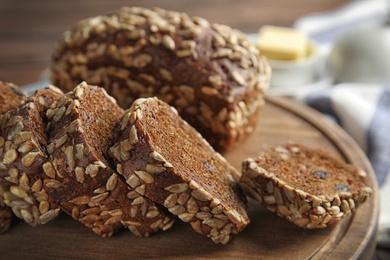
(267, 236)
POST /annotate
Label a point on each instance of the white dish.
(298, 78)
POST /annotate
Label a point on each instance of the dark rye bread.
(5, 217)
(309, 187)
(79, 177)
(10, 97)
(163, 157)
(23, 142)
(210, 73)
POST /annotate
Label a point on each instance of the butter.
(280, 43)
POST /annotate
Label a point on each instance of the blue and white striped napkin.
(364, 112)
(362, 109)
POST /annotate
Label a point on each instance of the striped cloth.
(363, 110)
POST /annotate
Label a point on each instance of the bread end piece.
(309, 187)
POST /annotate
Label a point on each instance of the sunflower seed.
(24, 181)
(154, 169)
(100, 197)
(145, 176)
(79, 173)
(171, 200)
(138, 200)
(10, 156)
(177, 188)
(133, 181)
(37, 186)
(168, 42)
(177, 209)
(43, 207)
(92, 170)
(112, 182)
(29, 158)
(26, 215)
(52, 183)
(59, 114)
(69, 152)
(201, 194)
(152, 214)
(234, 216)
(49, 170)
(18, 191)
(81, 200)
(25, 147)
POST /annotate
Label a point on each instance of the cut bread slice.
(309, 187)
(11, 96)
(23, 142)
(79, 177)
(164, 158)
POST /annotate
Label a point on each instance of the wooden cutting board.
(267, 236)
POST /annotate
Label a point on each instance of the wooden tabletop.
(29, 29)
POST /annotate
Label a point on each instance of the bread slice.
(309, 187)
(79, 177)
(164, 158)
(10, 97)
(23, 141)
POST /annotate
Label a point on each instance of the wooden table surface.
(29, 29)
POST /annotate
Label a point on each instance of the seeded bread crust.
(10, 96)
(309, 187)
(79, 177)
(210, 73)
(23, 141)
(5, 217)
(163, 157)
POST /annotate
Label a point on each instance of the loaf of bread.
(309, 187)
(10, 97)
(79, 178)
(162, 157)
(212, 75)
(23, 142)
